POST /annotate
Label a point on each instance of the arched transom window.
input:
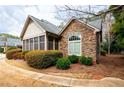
(74, 38)
(74, 45)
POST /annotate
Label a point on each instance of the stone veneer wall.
(88, 39)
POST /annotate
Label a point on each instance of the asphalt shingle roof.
(54, 29)
(46, 25)
(94, 22)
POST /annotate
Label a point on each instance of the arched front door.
(74, 45)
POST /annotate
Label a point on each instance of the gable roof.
(95, 24)
(47, 26)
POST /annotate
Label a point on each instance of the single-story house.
(76, 38)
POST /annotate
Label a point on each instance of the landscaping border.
(51, 80)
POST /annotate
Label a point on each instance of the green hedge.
(10, 53)
(42, 59)
(63, 63)
(73, 58)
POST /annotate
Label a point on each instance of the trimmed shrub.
(73, 58)
(18, 55)
(24, 52)
(42, 59)
(103, 52)
(82, 59)
(10, 53)
(11, 48)
(88, 61)
(63, 63)
(1, 50)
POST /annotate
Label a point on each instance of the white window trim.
(75, 41)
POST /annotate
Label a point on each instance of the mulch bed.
(110, 66)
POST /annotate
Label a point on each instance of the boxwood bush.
(24, 52)
(11, 48)
(63, 63)
(10, 53)
(82, 59)
(73, 58)
(42, 59)
(86, 60)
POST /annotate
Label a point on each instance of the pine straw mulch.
(110, 66)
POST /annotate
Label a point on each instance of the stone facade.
(88, 38)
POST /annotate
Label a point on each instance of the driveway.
(14, 76)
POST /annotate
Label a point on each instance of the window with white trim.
(74, 45)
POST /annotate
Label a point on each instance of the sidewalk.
(14, 76)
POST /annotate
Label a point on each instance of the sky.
(12, 18)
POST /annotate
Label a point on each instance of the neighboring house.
(76, 38)
(9, 42)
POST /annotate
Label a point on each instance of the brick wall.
(88, 39)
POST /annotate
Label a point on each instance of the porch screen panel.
(27, 44)
(23, 45)
(50, 43)
(56, 44)
(36, 43)
(31, 44)
(42, 44)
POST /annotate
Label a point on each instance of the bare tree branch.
(72, 9)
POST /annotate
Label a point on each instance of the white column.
(53, 43)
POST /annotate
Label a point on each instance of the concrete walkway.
(14, 76)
